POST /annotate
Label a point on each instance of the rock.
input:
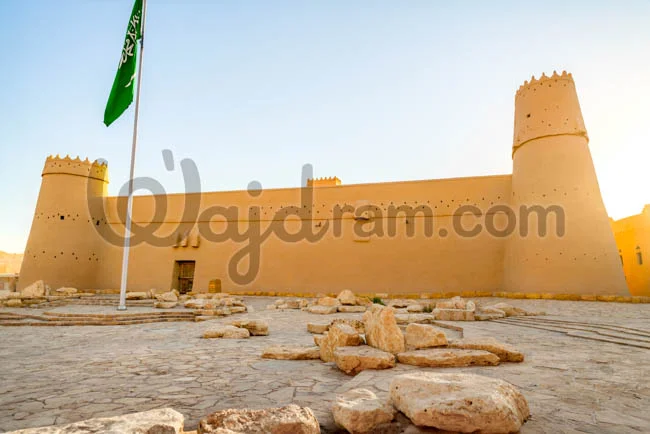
(505, 352)
(67, 291)
(14, 302)
(328, 301)
(488, 316)
(317, 328)
(347, 297)
(285, 420)
(160, 421)
(167, 296)
(351, 309)
(353, 360)
(291, 352)
(165, 304)
(293, 304)
(256, 327)
(222, 311)
(227, 332)
(237, 309)
(5, 294)
(415, 308)
(399, 304)
(318, 339)
(36, 289)
(471, 306)
(448, 357)
(419, 336)
(137, 295)
(361, 411)
(418, 318)
(459, 402)
(381, 329)
(507, 309)
(271, 307)
(339, 335)
(455, 303)
(322, 310)
(354, 323)
(453, 314)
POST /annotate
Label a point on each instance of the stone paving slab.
(56, 375)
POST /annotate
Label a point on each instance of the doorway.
(183, 276)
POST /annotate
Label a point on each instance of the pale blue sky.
(364, 90)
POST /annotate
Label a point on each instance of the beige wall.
(552, 166)
(633, 238)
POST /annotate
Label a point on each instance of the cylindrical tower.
(64, 247)
(554, 187)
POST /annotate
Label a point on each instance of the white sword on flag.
(129, 207)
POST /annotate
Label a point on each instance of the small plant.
(377, 300)
(428, 308)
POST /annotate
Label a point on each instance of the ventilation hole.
(62, 217)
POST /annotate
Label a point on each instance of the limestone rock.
(351, 309)
(165, 304)
(227, 332)
(482, 316)
(14, 302)
(291, 352)
(339, 335)
(328, 301)
(238, 309)
(36, 289)
(66, 291)
(505, 352)
(271, 307)
(160, 421)
(455, 303)
(322, 310)
(167, 296)
(419, 336)
(459, 402)
(507, 309)
(418, 318)
(5, 294)
(256, 327)
(381, 329)
(317, 328)
(354, 323)
(453, 314)
(415, 308)
(359, 411)
(448, 357)
(284, 420)
(347, 297)
(318, 339)
(136, 295)
(353, 360)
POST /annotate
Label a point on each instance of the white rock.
(227, 332)
(381, 329)
(347, 297)
(256, 327)
(338, 335)
(419, 336)
(36, 289)
(353, 360)
(285, 420)
(448, 357)
(505, 352)
(291, 352)
(457, 402)
(322, 310)
(361, 411)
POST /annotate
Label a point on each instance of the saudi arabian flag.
(122, 92)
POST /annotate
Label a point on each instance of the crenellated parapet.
(545, 107)
(75, 166)
(323, 182)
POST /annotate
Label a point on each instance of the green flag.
(122, 91)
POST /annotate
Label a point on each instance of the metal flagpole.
(129, 207)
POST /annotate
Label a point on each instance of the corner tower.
(553, 169)
(64, 247)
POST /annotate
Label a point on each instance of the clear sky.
(364, 90)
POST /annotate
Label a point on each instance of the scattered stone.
(339, 335)
(453, 314)
(459, 402)
(347, 297)
(507, 309)
(285, 420)
(354, 323)
(361, 411)
(67, 291)
(322, 310)
(226, 332)
(353, 360)
(36, 289)
(160, 421)
(167, 296)
(256, 327)
(448, 357)
(165, 304)
(222, 311)
(238, 309)
(319, 338)
(351, 309)
(291, 352)
(14, 302)
(455, 303)
(317, 328)
(137, 295)
(505, 352)
(487, 316)
(419, 336)
(415, 308)
(328, 301)
(271, 307)
(381, 329)
(418, 318)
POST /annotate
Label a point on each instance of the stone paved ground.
(54, 375)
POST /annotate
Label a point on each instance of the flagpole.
(129, 207)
